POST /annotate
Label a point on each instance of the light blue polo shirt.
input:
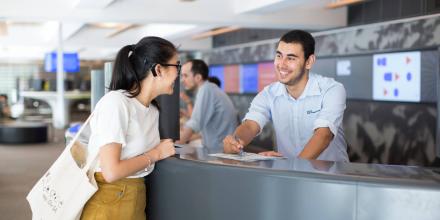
(322, 104)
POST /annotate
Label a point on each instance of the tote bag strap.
(80, 130)
(95, 156)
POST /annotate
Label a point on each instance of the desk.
(194, 185)
(60, 119)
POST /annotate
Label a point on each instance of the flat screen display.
(232, 78)
(70, 60)
(219, 72)
(249, 78)
(266, 75)
(396, 76)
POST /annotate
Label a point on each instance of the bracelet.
(150, 162)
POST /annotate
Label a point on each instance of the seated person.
(213, 115)
(5, 111)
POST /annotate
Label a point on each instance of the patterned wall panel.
(248, 54)
(390, 36)
(423, 33)
(392, 133)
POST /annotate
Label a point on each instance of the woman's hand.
(164, 150)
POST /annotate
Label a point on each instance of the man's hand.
(232, 145)
(270, 154)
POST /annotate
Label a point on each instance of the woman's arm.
(114, 169)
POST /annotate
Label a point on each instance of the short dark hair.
(215, 80)
(199, 67)
(300, 37)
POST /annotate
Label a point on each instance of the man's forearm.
(247, 131)
(317, 144)
(185, 135)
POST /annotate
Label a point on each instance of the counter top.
(366, 173)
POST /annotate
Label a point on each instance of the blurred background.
(385, 52)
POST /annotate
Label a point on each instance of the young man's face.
(290, 64)
(188, 78)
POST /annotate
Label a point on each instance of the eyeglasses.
(178, 66)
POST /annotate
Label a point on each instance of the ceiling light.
(109, 25)
(214, 32)
(121, 29)
(165, 30)
(95, 4)
(342, 3)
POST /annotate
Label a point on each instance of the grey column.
(169, 127)
(437, 138)
(108, 69)
(61, 118)
(97, 86)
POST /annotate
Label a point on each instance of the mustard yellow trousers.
(124, 199)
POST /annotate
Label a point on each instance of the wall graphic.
(396, 77)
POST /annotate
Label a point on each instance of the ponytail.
(123, 73)
(133, 62)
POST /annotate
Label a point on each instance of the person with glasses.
(125, 129)
(213, 114)
(306, 109)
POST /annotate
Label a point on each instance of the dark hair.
(301, 37)
(130, 69)
(199, 67)
(215, 80)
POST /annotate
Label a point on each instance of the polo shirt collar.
(312, 88)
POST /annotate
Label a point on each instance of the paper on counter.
(247, 157)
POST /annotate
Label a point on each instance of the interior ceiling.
(96, 29)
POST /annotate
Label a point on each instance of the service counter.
(193, 185)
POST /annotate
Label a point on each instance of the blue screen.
(219, 72)
(249, 78)
(71, 62)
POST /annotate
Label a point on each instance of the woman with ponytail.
(125, 130)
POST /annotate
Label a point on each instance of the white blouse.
(124, 120)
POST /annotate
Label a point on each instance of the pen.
(240, 153)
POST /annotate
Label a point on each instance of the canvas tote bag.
(65, 188)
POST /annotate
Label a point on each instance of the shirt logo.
(312, 112)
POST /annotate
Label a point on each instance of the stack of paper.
(247, 157)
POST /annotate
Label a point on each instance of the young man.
(213, 115)
(306, 109)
